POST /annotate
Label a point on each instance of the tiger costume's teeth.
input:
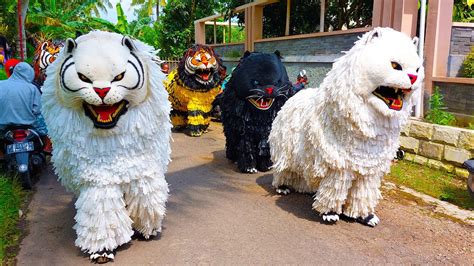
(392, 97)
(261, 103)
(105, 116)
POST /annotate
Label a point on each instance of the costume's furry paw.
(102, 256)
(283, 190)
(194, 133)
(330, 217)
(371, 220)
(250, 170)
(400, 154)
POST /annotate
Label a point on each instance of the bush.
(467, 68)
(3, 75)
(437, 113)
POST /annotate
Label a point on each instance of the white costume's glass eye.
(396, 66)
(119, 77)
(84, 78)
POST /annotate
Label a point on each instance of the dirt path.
(216, 215)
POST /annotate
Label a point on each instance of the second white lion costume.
(108, 117)
(338, 140)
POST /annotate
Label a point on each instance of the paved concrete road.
(216, 215)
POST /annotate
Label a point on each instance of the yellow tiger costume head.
(199, 68)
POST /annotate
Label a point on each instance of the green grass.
(3, 75)
(436, 183)
(11, 196)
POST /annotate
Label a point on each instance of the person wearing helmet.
(20, 101)
(10, 65)
(301, 82)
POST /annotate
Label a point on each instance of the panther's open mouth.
(204, 74)
(105, 116)
(261, 103)
(392, 97)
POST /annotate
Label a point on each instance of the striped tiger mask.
(198, 68)
(45, 54)
(104, 76)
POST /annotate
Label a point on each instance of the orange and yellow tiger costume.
(45, 54)
(192, 88)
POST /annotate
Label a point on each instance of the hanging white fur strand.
(338, 140)
(108, 117)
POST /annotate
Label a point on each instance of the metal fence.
(172, 62)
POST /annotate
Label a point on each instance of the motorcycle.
(470, 180)
(23, 150)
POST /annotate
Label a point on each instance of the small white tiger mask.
(102, 75)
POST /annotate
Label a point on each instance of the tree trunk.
(157, 10)
(193, 10)
(23, 8)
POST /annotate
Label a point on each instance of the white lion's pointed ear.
(415, 41)
(70, 45)
(375, 33)
(126, 41)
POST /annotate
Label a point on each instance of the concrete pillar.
(401, 15)
(253, 26)
(405, 16)
(438, 37)
(199, 32)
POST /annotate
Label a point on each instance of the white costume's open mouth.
(261, 103)
(105, 116)
(392, 97)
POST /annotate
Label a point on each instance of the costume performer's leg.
(231, 146)
(363, 197)
(178, 119)
(247, 158)
(286, 180)
(146, 203)
(332, 193)
(263, 159)
(102, 222)
(199, 117)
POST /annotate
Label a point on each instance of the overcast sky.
(111, 14)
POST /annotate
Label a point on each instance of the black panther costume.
(257, 90)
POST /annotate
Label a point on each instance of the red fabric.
(9, 64)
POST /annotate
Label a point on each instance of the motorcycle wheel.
(26, 180)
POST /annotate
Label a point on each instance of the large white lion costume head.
(108, 117)
(381, 69)
(340, 138)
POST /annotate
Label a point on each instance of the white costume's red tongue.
(105, 112)
(395, 104)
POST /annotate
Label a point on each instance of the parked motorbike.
(23, 150)
(470, 180)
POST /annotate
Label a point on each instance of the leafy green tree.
(437, 113)
(463, 11)
(176, 28)
(305, 15)
(467, 68)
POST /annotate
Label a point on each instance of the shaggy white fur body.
(338, 140)
(117, 173)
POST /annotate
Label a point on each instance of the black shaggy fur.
(246, 127)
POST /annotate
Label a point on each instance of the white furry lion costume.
(108, 117)
(338, 140)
